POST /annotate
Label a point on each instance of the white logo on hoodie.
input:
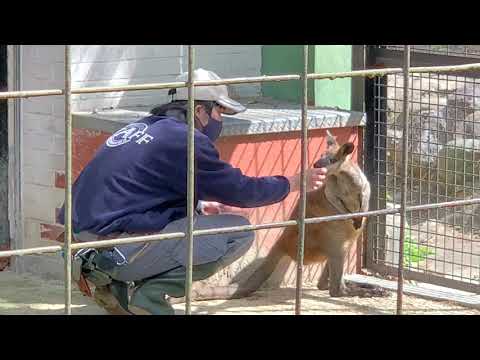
(128, 133)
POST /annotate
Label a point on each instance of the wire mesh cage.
(453, 50)
(443, 156)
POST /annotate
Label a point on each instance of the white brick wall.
(101, 65)
(118, 65)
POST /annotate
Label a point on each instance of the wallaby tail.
(238, 290)
(263, 272)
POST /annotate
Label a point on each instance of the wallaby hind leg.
(338, 287)
(323, 280)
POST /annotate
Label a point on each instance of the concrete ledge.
(262, 117)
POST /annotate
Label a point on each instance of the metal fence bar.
(68, 183)
(158, 86)
(68, 247)
(29, 93)
(303, 186)
(233, 229)
(31, 251)
(389, 71)
(244, 80)
(403, 207)
(190, 179)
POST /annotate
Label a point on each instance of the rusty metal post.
(190, 180)
(403, 207)
(68, 185)
(303, 185)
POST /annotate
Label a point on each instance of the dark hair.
(180, 106)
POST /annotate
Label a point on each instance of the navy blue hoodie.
(137, 181)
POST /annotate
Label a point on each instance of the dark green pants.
(150, 295)
(161, 269)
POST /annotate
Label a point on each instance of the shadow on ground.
(30, 295)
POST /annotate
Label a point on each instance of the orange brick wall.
(256, 155)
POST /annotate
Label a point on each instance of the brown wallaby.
(346, 190)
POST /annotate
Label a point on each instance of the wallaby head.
(346, 186)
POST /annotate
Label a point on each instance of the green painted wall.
(288, 59)
(283, 60)
(331, 93)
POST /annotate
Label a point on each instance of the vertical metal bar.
(358, 83)
(370, 157)
(403, 213)
(18, 141)
(438, 196)
(446, 159)
(190, 180)
(68, 185)
(429, 169)
(395, 162)
(303, 187)
(410, 187)
(380, 167)
(472, 216)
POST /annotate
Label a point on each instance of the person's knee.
(235, 220)
(247, 236)
(239, 239)
(242, 240)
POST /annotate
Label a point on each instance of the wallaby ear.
(331, 141)
(346, 149)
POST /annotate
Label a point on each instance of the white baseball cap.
(218, 93)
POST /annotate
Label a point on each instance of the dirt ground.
(25, 295)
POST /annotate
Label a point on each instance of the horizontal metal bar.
(159, 86)
(29, 93)
(387, 71)
(143, 87)
(139, 87)
(448, 68)
(394, 58)
(129, 240)
(233, 229)
(444, 204)
(245, 80)
(31, 251)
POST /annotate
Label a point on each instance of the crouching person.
(137, 185)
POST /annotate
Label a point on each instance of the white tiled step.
(427, 291)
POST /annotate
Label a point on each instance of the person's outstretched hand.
(315, 179)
